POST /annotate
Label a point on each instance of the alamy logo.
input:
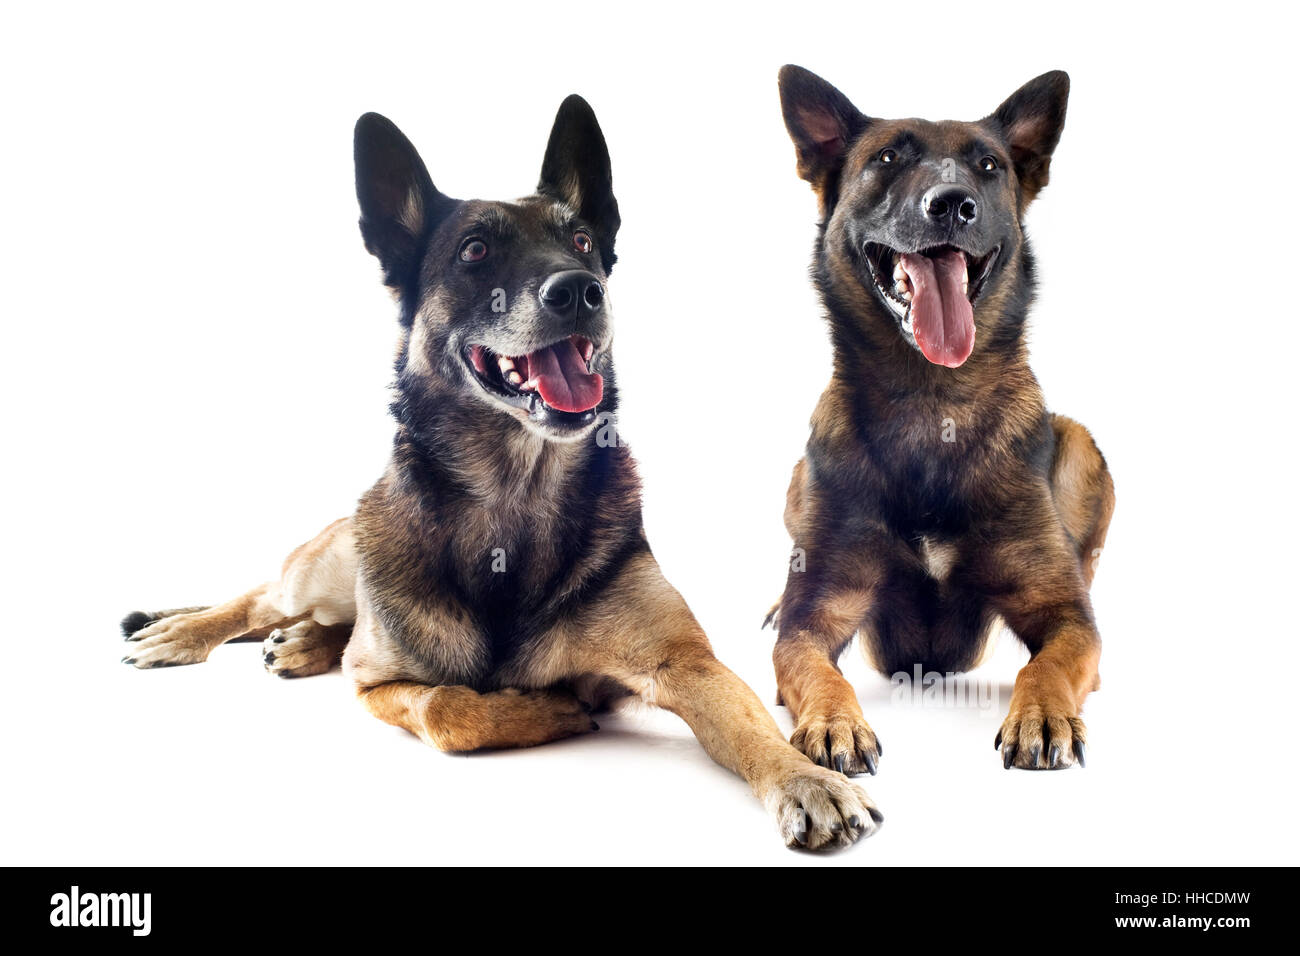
(102, 909)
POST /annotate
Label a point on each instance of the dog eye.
(582, 242)
(887, 156)
(988, 164)
(473, 250)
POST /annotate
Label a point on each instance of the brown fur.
(918, 544)
(495, 585)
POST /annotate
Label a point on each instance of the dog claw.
(1008, 757)
(1035, 753)
(871, 763)
(839, 763)
(997, 741)
(1054, 757)
(1078, 753)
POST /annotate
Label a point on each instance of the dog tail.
(139, 620)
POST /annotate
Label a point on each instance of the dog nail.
(1054, 756)
(1008, 756)
(839, 762)
(1078, 753)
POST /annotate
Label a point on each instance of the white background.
(195, 367)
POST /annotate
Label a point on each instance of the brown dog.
(937, 496)
(495, 585)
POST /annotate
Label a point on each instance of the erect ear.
(821, 121)
(576, 171)
(1031, 121)
(399, 205)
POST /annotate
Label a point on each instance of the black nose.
(950, 202)
(574, 290)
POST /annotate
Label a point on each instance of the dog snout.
(950, 203)
(574, 292)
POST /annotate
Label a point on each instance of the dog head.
(502, 303)
(922, 221)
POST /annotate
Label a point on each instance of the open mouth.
(555, 383)
(932, 292)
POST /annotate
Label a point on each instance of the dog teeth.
(528, 386)
(508, 371)
(965, 283)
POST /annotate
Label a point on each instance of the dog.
(937, 497)
(495, 587)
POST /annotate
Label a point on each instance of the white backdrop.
(195, 368)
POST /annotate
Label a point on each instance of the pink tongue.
(563, 380)
(942, 319)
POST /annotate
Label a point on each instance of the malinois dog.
(495, 586)
(937, 496)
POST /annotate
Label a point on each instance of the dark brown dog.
(937, 496)
(495, 585)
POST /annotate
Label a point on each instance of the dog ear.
(399, 204)
(1030, 121)
(576, 171)
(821, 121)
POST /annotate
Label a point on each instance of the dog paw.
(843, 742)
(166, 643)
(301, 650)
(1041, 736)
(556, 713)
(818, 809)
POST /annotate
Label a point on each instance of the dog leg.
(317, 582)
(641, 634)
(823, 606)
(453, 718)
(813, 806)
(1038, 587)
(1082, 491)
(189, 638)
(305, 648)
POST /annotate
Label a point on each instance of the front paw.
(842, 741)
(818, 809)
(1041, 733)
(541, 716)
